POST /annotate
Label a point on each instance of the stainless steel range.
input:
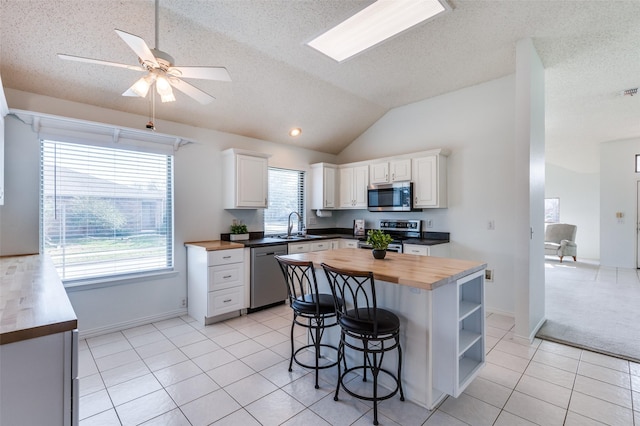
(399, 229)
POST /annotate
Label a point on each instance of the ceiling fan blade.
(139, 46)
(194, 92)
(99, 62)
(203, 73)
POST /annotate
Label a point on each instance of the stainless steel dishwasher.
(267, 282)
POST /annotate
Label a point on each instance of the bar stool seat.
(365, 328)
(312, 310)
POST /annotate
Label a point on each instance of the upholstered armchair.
(559, 240)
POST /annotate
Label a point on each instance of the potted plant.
(379, 241)
(239, 231)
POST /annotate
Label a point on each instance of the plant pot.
(238, 237)
(379, 253)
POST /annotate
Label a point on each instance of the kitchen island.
(440, 302)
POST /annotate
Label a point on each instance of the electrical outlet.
(491, 225)
(488, 274)
(311, 220)
(184, 303)
(429, 223)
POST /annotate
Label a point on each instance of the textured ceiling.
(590, 50)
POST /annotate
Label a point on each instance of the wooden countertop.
(424, 272)
(33, 301)
(215, 245)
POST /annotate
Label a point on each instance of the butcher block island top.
(33, 301)
(215, 245)
(424, 272)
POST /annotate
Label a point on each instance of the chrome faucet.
(291, 224)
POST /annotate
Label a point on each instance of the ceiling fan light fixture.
(163, 87)
(141, 87)
(374, 24)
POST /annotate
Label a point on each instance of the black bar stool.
(311, 309)
(364, 328)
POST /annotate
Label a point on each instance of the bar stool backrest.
(357, 292)
(300, 277)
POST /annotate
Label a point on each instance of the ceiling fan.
(160, 70)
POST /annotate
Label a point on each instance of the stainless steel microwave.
(391, 197)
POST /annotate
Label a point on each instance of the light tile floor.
(176, 372)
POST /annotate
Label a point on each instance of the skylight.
(374, 24)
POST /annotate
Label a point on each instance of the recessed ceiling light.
(374, 24)
(295, 132)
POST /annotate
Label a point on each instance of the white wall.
(579, 195)
(618, 183)
(528, 197)
(20, 211)
(198, 208)
(477, 125)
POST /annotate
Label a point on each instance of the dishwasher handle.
(271, 253)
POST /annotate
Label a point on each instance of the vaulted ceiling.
(590, 50)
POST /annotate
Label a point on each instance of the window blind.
(105, 212)
(286, 194)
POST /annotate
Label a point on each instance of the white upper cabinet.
(429, 176)
(353, 187)
(323, 194)
(245, 179)
(390, 171)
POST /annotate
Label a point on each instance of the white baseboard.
(93, 332)
(536, 329)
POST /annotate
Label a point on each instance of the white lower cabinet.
(439, 250)
(216, 282)
(307, 246)
(294, 248)
(40, 381)
(345, 243)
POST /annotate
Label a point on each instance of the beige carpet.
(592, 307)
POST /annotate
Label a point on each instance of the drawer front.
(416, 249)
(223, 301)
(320, 245)
(226, 276)
(348, 243)
(298, 248)
(222, 257)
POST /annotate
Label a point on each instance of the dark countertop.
(257, 240)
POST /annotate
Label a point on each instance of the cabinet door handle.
(227, 301)
(393, 176)
(226, 277)
(386, 177)
(226, 257)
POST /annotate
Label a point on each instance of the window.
(552, 210)
(286, 195)
(105, 212)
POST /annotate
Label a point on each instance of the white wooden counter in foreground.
(440, 303)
